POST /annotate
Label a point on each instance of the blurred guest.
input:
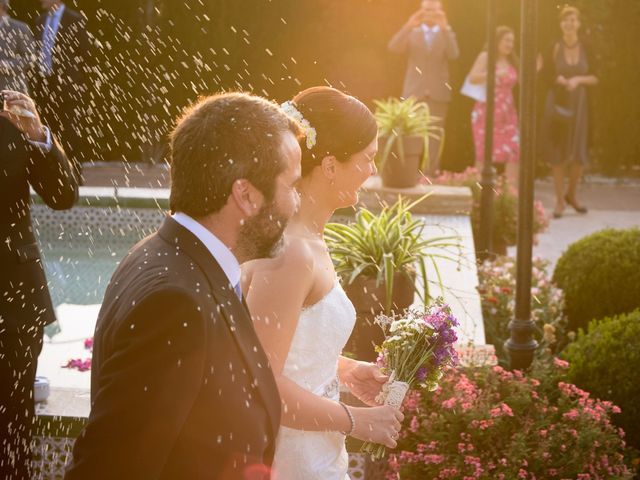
(64, 46)
(569, 70)
(430, 43)
(506, 141)
(17, 52)
(30, 157)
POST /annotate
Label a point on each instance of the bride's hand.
(364, 380)
(377, 424)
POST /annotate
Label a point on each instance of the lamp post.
(488, 174)
(521, 345)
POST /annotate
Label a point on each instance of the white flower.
(309, 132)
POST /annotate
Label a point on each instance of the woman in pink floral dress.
(506, 140)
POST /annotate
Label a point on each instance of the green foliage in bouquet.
(497, 295)
(405, 118)
(379, 246)
(600, 275)
(488, 423)
(606, 361)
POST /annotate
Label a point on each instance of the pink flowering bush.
(485, 422)
(497, 294)
(505, 206)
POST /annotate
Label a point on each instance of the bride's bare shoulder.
(295, 259)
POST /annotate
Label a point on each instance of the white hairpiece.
(309, 132)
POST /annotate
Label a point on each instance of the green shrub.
(600, 276)
(606, 361)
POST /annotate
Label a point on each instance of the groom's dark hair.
(221, 139)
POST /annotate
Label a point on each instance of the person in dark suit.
(29, 155)
(180, 385)
(430, 44)
(17, 52)
(62, 75)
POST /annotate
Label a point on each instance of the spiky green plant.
(398, 118)
(379, 246)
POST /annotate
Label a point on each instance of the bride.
(300, 311)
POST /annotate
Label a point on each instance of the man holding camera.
(430, 43)
(29, 156)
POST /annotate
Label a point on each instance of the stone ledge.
(121, 197)
(443, 199)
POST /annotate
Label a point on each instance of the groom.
(180, 386)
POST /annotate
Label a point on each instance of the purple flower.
(421, 374)
(448, 335)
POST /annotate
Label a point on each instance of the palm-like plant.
(402, 118)
(380, 246)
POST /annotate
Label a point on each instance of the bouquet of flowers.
(418, 346)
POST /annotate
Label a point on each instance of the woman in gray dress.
(566, 118)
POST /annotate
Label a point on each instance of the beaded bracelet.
(351, 419)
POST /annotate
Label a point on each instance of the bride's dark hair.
(344, 125)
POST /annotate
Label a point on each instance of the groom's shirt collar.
(219, 250)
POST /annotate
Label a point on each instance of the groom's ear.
(328, 166)
(247, 198)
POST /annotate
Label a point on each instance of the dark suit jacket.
(180, 385)
(71, 48)
(17, 54)
(24, 297)
(427, 74)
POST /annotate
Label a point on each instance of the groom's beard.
(261, 235)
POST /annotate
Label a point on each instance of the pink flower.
(414, 424)
(571, 414)
(501, 410)
(412, 400)
(560, 363)
(450, 403)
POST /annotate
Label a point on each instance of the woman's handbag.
(562, 114)
(476, 91)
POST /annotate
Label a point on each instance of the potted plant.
(405, 128)
(378, 258)
(505, 208)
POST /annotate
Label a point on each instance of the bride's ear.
(328, 166)
(247, 198)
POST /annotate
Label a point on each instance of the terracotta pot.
(369, 300)
(404, 172)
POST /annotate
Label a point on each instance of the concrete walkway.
(610, 205)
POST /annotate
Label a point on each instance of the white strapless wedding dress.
(321, 334)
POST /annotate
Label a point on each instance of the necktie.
(429, 34)
(47, 44)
